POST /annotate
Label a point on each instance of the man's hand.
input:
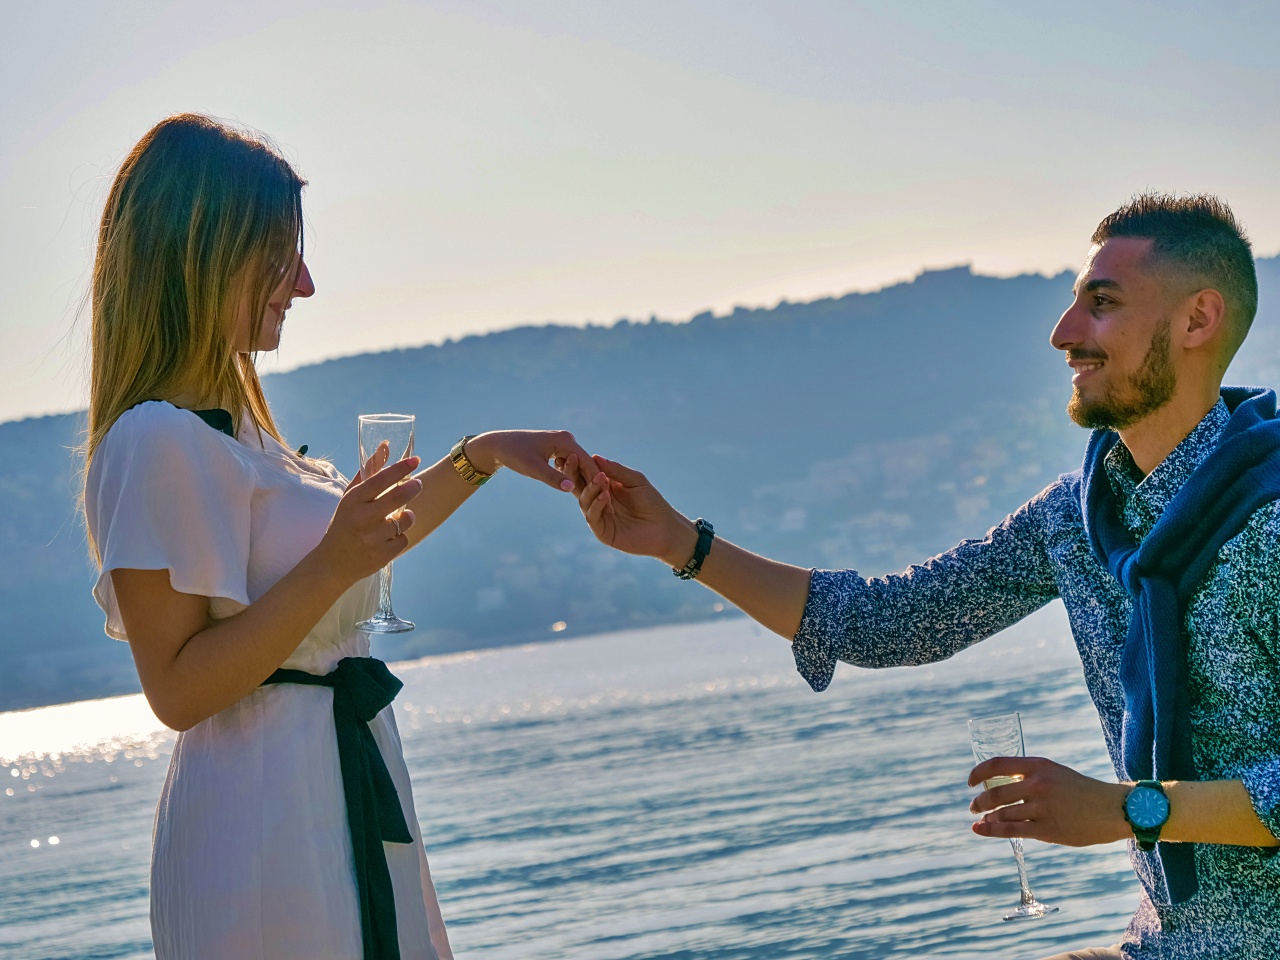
(1052, 803)
(625, 511)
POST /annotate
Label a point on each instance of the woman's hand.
(362, 538)
(529, 452)
(625, 511)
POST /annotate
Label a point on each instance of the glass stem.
(1027, 896)
(384, 596)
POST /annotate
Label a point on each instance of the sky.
(485, 164)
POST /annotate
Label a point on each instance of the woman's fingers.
(569, 458)
(584, 465)
(377, 460)
(398, 496)
(372, 488)
(400, 525)
(571, 467)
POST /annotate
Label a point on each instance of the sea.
(666, 793)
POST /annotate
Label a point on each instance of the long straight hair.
(201, 218)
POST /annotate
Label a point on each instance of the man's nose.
(1070, 329)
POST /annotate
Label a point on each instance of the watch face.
(1146, 807)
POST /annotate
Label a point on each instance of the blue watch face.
(1146, 807)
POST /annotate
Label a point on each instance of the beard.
(1143, 394)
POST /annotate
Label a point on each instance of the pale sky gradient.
(483, 164)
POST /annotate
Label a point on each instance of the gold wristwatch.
(458, 457)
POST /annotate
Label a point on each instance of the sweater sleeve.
(930, 611)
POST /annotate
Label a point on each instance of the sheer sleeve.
(167, 492)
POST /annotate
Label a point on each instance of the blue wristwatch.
(1147, 810)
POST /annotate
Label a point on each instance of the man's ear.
(1205, 317)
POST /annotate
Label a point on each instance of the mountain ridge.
(868, 430)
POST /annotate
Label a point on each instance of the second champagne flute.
(395, 430)
(1002, 737)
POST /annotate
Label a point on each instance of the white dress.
(252, 857)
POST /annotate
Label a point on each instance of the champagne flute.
(395, 430)
(1002, 737)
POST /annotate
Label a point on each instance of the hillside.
(868, 430)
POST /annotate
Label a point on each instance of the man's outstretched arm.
(627, 512)
(924, 614)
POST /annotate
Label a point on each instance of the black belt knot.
(362, 687)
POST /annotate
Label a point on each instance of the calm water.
(676, 793)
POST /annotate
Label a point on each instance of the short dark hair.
(1197, 237)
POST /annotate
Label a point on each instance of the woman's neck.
(190, 400)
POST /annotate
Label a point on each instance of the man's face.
(1116, 336)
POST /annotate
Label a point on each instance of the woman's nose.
(304, 286)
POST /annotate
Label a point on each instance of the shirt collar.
(1145, 498)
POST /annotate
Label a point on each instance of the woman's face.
(278, 303)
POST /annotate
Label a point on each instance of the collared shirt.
(932, 611)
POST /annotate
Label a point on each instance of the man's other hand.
(1051, 802)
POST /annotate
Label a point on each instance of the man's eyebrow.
(1100, 284)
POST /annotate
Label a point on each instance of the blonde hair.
(199, 217)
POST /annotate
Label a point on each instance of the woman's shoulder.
(156, 428)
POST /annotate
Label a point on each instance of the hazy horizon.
(496, 163)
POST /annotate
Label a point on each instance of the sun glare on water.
(87, 727)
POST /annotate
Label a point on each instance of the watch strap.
(706, 533)
(466, 470)
(1146, 837)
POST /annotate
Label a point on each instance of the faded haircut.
(1197, 239)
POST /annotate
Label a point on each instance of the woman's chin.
(265, 344)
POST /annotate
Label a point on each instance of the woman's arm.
(192, 667)
(526, 452)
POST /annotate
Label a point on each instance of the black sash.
(362, 687)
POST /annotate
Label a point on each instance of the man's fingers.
(589, 494)
(596, 511)
(997, 797)
(998, 767)
(620, 472)
(1014, 812)
(1007, 829)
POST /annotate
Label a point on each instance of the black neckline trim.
(219, 419)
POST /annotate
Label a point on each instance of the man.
(1165, 549)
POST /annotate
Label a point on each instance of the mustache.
(1073, 355)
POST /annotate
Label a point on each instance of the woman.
(285, 828)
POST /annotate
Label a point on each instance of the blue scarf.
(1161, 574)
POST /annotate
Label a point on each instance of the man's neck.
(1156, 436)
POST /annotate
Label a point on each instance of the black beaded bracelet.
(706, 533)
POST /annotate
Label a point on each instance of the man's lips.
(1084, 369)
